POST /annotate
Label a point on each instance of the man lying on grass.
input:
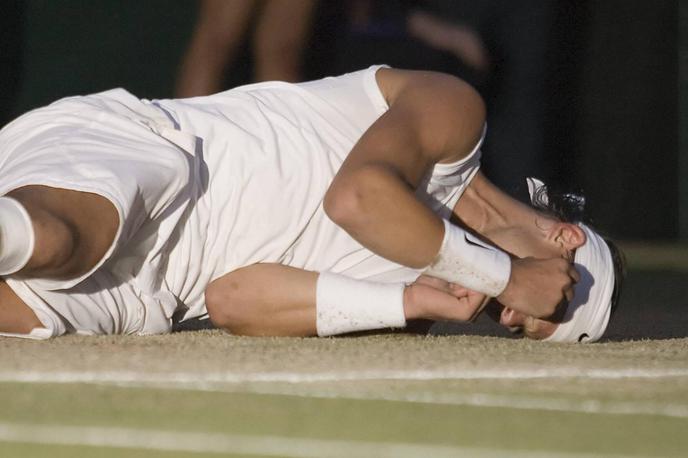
(345, 204)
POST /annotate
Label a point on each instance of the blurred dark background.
(581, 93)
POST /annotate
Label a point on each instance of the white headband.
(587, 315)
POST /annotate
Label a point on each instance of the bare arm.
(264, 299)
(73, 230)
(277, 300)
(432, 118)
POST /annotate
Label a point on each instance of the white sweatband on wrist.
(347, 305)
(470, 262)
(17, 238)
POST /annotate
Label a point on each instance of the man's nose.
(511, 317)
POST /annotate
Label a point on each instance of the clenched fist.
(537, 286)
(436, 299)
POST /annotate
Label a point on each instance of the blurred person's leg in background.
(281, 35)
(457, 38)
(503, 46)
(375, 33)
(218, 34)
(280, 30)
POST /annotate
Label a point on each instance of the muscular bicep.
(432, 118)
(73, 230)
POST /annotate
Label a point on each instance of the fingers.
(454, 289)
(481, 306)
(465, 304)
(545, 284)
(458, 290)
(568, 294)
(443, 303)
(569, 288)
(574, 277)
(433, 282)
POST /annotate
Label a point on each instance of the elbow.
(340, 205)
(349, 202)
(227, 310)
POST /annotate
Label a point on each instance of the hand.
(538, 286)
(436, 299)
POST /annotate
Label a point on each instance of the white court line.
(251, 382)
(588, 406)
(521, 402)
(183, 441)
(334, 376)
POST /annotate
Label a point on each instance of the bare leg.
(280, 38)
(219, 30)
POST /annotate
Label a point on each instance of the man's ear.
(568, 235)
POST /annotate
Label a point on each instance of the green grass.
(62, 451)
(478, 399)
(500, 429)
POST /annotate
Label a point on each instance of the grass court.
(204, 393)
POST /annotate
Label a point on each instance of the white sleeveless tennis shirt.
(203, 186)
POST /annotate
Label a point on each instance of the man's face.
(546, 238)
(520, 324)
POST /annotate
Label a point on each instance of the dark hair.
(569, 207)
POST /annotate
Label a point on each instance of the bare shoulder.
(450, 112)
(73, 229)
(394, 82)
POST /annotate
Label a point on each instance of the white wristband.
(470, 262)
(348, 305)
(16, 236)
